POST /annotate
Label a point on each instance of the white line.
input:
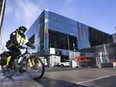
(95, 79)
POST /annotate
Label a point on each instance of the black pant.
(15, 52)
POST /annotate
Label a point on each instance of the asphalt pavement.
(65, 77)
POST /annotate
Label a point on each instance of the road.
(65, 77)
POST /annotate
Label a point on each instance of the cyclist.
(17, 39)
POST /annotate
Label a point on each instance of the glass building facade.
(51, 30)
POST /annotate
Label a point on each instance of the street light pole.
(68, 42)
(74, 50)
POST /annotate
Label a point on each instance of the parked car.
(63, 64)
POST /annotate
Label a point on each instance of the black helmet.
(22, 28)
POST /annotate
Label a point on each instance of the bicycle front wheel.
(35, 67)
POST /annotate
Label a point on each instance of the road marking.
(95, 79)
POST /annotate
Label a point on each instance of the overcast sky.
(100, 14)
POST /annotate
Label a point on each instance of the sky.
(99, 14)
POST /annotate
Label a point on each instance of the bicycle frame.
(26, 55)
(20, 57)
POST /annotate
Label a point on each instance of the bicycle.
(32, 65)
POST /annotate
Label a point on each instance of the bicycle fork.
(31, 62)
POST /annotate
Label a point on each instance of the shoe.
(22, 70)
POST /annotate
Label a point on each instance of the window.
(32, 39)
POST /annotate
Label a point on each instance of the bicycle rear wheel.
(8, 72)
(5, 58)
(35, 67)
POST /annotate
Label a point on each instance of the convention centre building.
(64, 38)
